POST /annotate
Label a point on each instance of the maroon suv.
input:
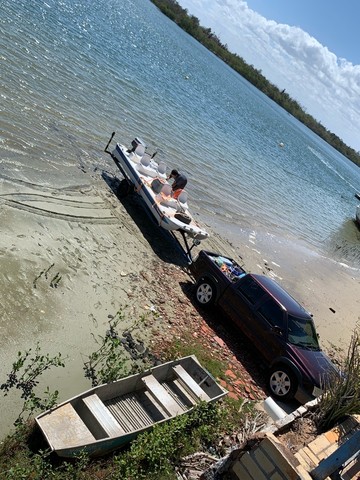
(277, 325)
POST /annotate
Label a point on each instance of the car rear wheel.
(205, 293)
(282, 383)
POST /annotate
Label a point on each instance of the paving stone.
(233, 396)
(230, 373)
(319, 445)
(219, 341)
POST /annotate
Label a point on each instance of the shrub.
(154, 454)
(341, 395)
(24, 376)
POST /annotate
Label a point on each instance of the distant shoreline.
(190, 24)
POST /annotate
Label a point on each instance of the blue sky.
(310, 47)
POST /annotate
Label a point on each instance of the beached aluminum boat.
(149, 180)
(106, 417)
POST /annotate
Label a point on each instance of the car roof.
(281, 296)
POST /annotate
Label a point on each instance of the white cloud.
(327, 87)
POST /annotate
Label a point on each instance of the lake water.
(73, 72)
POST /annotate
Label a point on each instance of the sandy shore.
(70, 259)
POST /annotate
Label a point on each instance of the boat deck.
(156, 402)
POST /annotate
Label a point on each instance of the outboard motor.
(135, 143)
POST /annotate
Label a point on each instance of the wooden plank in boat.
(162, 396)
(103, 416)
(190, 383)
(64, 427)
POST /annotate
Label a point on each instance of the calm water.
(74, 71)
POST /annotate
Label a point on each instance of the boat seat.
(138, 154)
(161, 168)
(166, 190)
(190, 383)
(182, 198)
(147, 167)
(65, 427)
(103, 416)
(145, 160)
(162, 396)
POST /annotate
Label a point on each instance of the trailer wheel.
(205, 293)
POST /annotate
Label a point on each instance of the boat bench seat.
(190, 384)
(103, 416)
(64, 427)
(162, 396)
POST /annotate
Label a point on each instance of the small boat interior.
(128, 405)
(145, 164)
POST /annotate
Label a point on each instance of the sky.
(309, 47)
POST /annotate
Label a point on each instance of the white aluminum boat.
(107, 417)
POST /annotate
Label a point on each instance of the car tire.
(124, 188)
(205, 293)
(282, 383)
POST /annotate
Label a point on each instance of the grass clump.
(190, 346)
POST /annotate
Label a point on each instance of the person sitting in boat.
(179, 182)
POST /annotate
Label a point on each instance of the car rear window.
(251, 290)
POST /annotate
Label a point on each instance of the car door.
(271, 328)
(239, 302)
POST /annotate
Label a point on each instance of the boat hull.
(98, 449)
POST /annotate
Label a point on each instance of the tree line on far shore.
(191, 25)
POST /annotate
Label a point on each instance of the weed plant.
(341, 395)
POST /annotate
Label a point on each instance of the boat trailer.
(126, 187)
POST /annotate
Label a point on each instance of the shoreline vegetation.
(190, 24)
(209, 429)
(154, 454)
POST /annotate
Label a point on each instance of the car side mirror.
(279, 331)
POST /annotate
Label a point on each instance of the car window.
(251, 290)
(273, 313)
(302, 332)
